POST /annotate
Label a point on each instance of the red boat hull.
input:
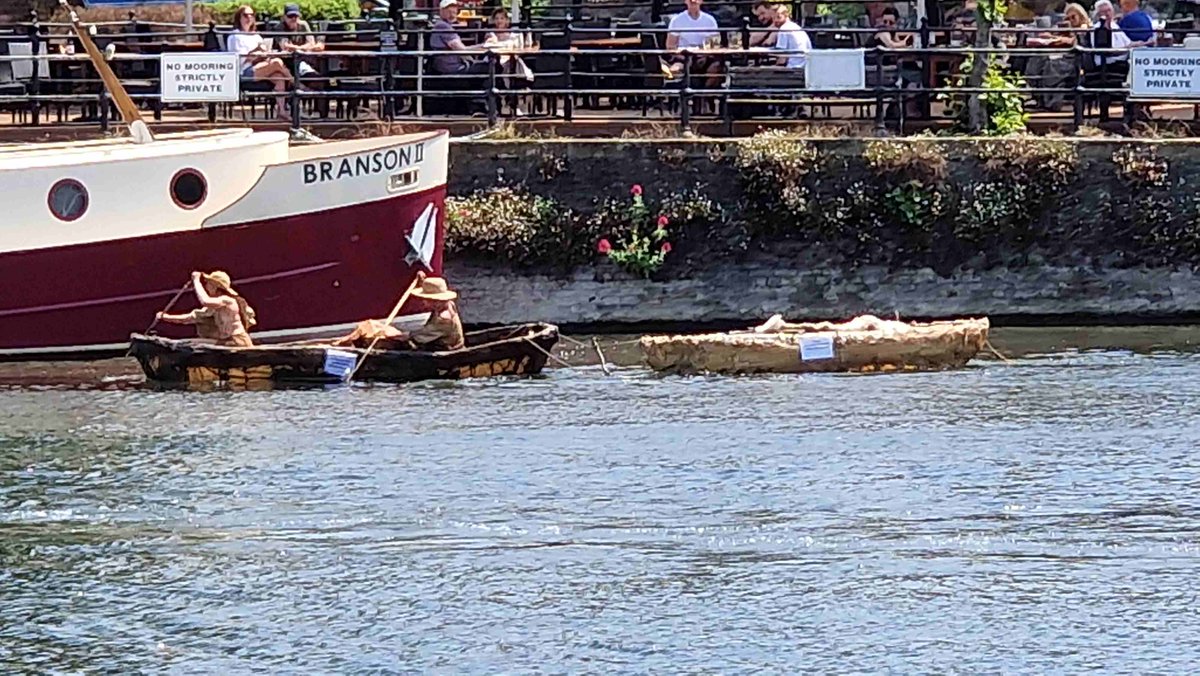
(306, 275)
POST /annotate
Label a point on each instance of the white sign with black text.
(835, 70)
(189, 78)
(1164, 73)
(813, 348)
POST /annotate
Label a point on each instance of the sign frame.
(226, 66)
(1173, 83)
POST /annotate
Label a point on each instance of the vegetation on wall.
(921, 202)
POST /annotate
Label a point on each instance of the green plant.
(311, 10)
(914, 203)
(1141, 167)
(903, 160)
(515, 226)
(774, 169)
(845, 12)
(1002, 100)
(638, 239)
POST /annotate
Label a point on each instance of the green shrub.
(517, 227)
(310, 10)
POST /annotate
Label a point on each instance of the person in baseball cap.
(297, 36)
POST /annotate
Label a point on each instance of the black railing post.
(1104, 38)
(879, 104)
(569, 99)
(927, 74)
(656, 10)
(35, 81)
(492, 108)
(102, 109)
(1077, 99)
(685, 95)
(745, 32)
(294, 94)
(389, 86)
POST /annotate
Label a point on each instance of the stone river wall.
(1036, 231)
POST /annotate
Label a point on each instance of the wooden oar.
(388, 322)
(166, 309)
(129, 110)
(182, 290)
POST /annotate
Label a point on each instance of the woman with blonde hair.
(257, 62)
(1057, 70)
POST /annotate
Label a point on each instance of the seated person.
(442, 332)
(1057, 71)
(298, 38)
(445, 39)
(257, 64)
(791, 37)
(224, 317)
(692, 29)
(765, 36)
(1113, 62)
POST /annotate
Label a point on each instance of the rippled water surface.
(1040, 515)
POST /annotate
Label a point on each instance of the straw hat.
(221, 279)
(434, 288)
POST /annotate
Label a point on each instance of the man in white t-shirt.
(790, 37)
(690, 29)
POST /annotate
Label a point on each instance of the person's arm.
(885, 38)
(202, 295)
(672, 36)
(189, 318)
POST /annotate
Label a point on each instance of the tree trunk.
(976, 115)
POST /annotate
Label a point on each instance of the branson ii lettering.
(363, 165)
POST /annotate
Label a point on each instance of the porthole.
(68, 200)
(188, 188)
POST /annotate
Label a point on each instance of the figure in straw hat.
(224, 317)
(443, 331)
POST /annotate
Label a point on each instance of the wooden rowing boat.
(866, 344)
(505, 351)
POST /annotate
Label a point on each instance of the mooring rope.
(563, 362)
(996, 352)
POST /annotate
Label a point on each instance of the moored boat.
(98, 235)
(866, 344)
(506, 351)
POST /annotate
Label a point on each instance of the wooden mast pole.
(129, 110)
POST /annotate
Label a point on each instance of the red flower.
(604, 247)
(636, 190)
(662, 221)
(666, 247)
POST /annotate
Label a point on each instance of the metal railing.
(406, 84)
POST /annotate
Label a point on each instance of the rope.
(574, 341)
(996, 352)
(541, 349)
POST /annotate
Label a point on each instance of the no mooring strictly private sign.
(200, 77)
(1165, 73)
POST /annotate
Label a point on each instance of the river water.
(1035, 515)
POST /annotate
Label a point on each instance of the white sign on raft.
(340, 363)
(813, 348)
(1164, 73)
(188, 78)
(835, 70)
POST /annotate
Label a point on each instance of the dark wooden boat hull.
(505, 351)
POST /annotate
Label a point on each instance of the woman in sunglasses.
(257, 62)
